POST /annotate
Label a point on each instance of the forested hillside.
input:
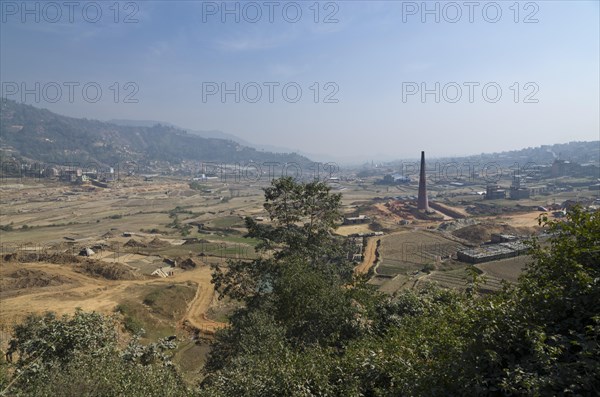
(40, 135)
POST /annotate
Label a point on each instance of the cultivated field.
(505, 269)
(409, 251)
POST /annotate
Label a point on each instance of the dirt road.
(368, 258)
(195, 316)
(93, 294)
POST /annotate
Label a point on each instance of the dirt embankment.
(92, 267)
(109, 271)
(189, 263)
(135, 244)
(31, 278)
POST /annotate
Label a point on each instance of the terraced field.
(457, 279)
(492, 274)
(408, 251)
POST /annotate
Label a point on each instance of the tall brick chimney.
(422, 203)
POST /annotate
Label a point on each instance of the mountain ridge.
(41, 135)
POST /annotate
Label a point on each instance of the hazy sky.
(361, 68)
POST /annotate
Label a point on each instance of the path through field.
(195, 316)
(369, 257)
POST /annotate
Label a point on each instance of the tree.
(48, 339)
(542, 337)
(296, 289)
(303, 217)
(79, 355)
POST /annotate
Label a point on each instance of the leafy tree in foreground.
(303, 217)
(297, 285)
(542, 337)
(79, 355)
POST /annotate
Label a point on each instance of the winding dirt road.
(93, 294)
(195, 316)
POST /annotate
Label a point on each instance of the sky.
(354, 80)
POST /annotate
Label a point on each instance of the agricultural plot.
(491, 277)
(126, 225)
(456, 279)
(506, 269)
(409, 251)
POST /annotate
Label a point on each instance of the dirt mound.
(109, 271)
(31, 278)
(156, 242)
(56, 258)
(482, 233)
(195, 240)
(135, 244)
(450, 226)
(190, 263)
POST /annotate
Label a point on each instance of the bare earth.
(93, 294)
(369, 257)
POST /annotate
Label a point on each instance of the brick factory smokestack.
(422, 203)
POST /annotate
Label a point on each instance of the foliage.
(79, 355)
(544, 334)
(184, 229)
(302, 218)
(539, 337)
(428, 268)
(7, 227)
(295, 289)
(47, 339)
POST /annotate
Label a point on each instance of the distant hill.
(201, 133)
(578, 151)
(41, 135)
(209, 134)
(582, 152)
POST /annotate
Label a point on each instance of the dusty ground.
(481, 233)
(50, 215)
(369, 256)
(95, 294)
(519, 220)
(351, 229)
